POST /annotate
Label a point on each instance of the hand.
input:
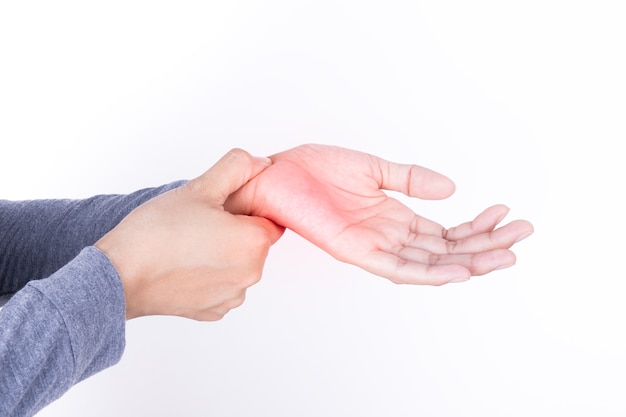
(333, 197)
(182, 254)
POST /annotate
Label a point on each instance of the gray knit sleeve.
(58, 331)
(37, 237)
(66, 321)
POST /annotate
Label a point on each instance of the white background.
(520, 103)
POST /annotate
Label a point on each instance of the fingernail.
(504, 265)
(458, 279)
(263, 160)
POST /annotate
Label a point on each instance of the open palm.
(333, 197)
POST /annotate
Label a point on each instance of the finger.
(402, 271)
(205, 316)
(412, 180)
(484, 222)
(501, 238)
(219, 312)
(233, 302)
(229, 174)
(477, 263)
(422, 226)
(272, 230)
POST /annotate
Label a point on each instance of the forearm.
(58, 331)
(40, 236)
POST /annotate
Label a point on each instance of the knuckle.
(434, 259)
(238, 301)
(395, 280)
(210, 315)
(252, 278)
(414, 225)
(238, 153)
(452, 246)
(411, 176)
(397, 277)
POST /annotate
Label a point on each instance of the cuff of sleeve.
(89, 296)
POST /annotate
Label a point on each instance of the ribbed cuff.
(89, 296)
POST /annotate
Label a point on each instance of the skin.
(182, 254)
(334, 198)
(194, 251)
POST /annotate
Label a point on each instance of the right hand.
(182, 254)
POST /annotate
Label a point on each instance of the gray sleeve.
(58, 331)
(38, 237)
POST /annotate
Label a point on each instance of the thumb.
(228, 175)
(413, 180)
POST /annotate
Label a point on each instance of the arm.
(334, 198)
(58, 331)
(38, 237)
(179, 254)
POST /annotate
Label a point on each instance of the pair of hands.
(195, 250)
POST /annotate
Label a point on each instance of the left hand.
(333, 197)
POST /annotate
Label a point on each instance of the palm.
(333, 197)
